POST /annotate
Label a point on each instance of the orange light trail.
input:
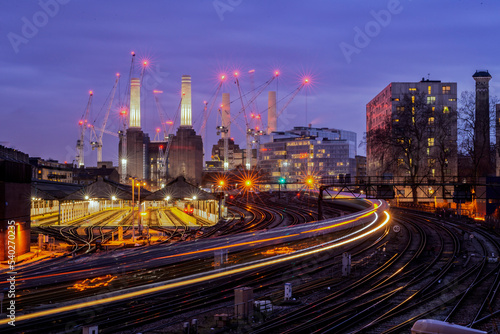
(142, 293)
(228, 246)
(340, 224)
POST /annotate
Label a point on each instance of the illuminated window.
(321, 164)
(430, 141)
(446, 89)
(431, 99)
(429, 90)
(396, 120)
(340, 163)
(452, 100)
(413, 99)
(431, 162)
(396, 99)
(412, 89)
(446, 110)
(400, 108)
(428, 151)
(400, 162)
(431, 120)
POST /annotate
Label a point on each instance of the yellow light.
(144, 213)
(248, 183)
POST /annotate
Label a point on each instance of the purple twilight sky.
(52, 52)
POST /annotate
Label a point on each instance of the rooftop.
(481, 74)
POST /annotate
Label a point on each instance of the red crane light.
(91, 92)
(236, 74)
(123, 112)
(276, 73)
(157, 129)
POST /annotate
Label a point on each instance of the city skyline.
(350, 52)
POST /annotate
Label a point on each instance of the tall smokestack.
(272, 120)
(482, 123)
(186, 116)
(135, 103)
(226, 114)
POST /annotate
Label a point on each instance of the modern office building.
(428, 111)
(387, 107)
(328, 154)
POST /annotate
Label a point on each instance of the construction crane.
(97, 142)
(80, 146)
(249, 131)
(294, 94)
(208, 107)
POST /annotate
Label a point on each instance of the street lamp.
(113, 198)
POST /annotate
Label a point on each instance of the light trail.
(375, 207)
(226, 246)
(142, 293)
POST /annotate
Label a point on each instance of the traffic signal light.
(282, 180)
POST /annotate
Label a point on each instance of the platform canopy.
(49, 190)
(105, 189)
(179, 188)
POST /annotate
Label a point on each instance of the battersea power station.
(164, 159)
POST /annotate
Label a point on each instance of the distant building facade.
(236, 156)
(89, 175)
(326, 153)
(51, 170)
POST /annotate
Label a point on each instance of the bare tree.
(400, 144)
(443, 126)
(466, 125)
